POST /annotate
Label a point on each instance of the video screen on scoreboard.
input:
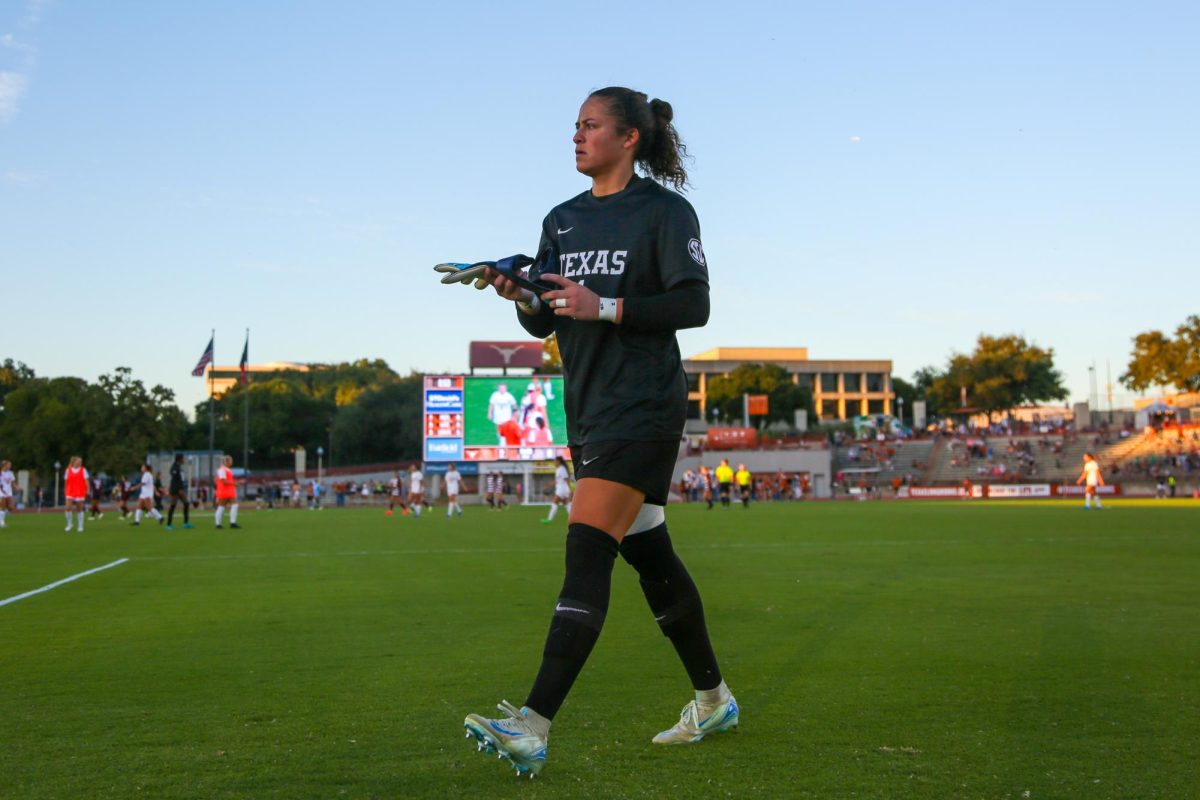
(494, 418)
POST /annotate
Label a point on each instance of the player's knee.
(582, 602)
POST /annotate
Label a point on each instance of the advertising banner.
(1011, 490)
(933, 492)
(1078, 491)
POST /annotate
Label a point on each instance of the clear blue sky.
(873, 179)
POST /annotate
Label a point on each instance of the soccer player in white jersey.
(562, 489)
(453, 484)
(6, 491)
(502, 409)
(146, 498)
(1092, 477)
(416, 490)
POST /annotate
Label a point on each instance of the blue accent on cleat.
(511, 738)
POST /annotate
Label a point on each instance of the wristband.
(532, 305)
(608, 310)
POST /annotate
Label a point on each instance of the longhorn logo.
(506, 352)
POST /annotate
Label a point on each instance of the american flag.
(245, 362)
(205, 360)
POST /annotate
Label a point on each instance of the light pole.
(191, 487)
(900, 410)
(57, 469)
(716, 411)
(320, 456)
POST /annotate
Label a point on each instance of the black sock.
(578, 616)
(170, 513)
(675, 602)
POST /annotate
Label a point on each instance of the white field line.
(56, 584)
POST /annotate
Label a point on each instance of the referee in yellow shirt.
(725, 481)
(742, 476)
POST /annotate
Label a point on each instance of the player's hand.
(573, 300)
(506, 288)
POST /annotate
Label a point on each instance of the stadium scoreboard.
(494, 418)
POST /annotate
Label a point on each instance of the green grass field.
(878, 650)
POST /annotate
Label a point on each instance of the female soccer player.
(7, 479)
(146, 497)
(416, 490)
(453, 484)
(629, 272)
(396, 496)
(226, 492)
(562, 489)
(75, 480)
(178, 493)
(97, 489)
(1094, 480)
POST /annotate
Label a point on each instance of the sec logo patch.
(696, 252)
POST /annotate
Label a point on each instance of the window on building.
(693, 381)
(829, 382)
(804, 380)
(875, 406)
(874, 381)
(852, 382)
(693, 411)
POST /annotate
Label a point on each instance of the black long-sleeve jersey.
(177, 480)
(623, 381)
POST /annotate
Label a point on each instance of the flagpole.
(246, 407)
(212, 420)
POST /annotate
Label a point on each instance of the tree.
(344, 382)
(384, 424)
(1003, 372)
(920, 388)
(906, 394)
(283, 415)
(127, 421)
(551, 358)
(1158, 360)
(44, 422)
(783, 396)
(13, 375)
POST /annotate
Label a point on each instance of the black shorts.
(645, 466)
(726, 488)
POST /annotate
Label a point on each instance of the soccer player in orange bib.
(226, 492)
(76, 490)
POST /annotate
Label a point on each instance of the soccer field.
(878, 650)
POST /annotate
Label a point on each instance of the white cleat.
(698, 720)
(511, 738)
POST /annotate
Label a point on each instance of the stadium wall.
(817, 463)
